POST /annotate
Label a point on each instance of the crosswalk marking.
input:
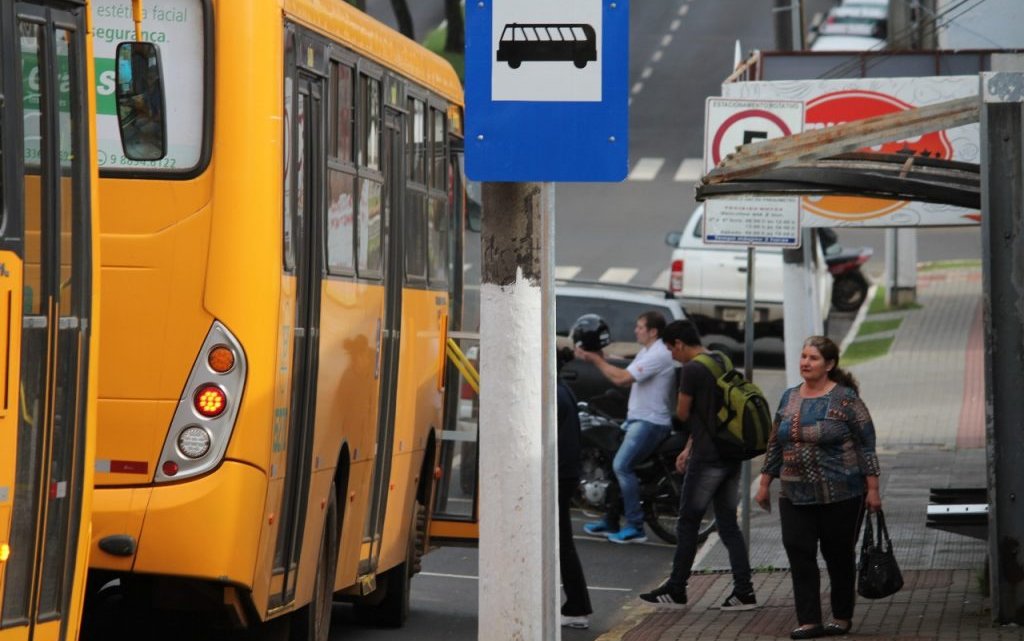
(661, 282)
(619, 275)
(646, 169)
(566, 272)
(690, 171)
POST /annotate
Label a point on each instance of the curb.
(851, 333)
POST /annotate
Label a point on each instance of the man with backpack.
(711, 478)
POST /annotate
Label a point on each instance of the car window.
(621, 316)
(698, 229)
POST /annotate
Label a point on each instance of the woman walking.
(822, 448)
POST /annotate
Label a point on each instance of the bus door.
(309, 133)
(45, 257)
(392, 153)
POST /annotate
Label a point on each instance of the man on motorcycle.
(710, 478)
(651, 378)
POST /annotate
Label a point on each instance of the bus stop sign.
(547, 90)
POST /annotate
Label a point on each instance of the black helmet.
(590, 333)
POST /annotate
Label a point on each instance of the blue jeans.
(642, 437)
(704, 485)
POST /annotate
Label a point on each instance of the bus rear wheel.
(392, 609)
(579, 63)
(514, 63)
(313, 622)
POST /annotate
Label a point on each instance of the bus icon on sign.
(547, 42)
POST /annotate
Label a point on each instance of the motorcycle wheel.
(849, 291)
(663, 513)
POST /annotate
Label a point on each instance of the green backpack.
(744, 422)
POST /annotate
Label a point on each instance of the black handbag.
(878, 575)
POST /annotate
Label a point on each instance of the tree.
(456, 40)
(403, 17)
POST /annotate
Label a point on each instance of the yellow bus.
(48, 322)
(276, 288)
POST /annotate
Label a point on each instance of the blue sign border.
(520, 141)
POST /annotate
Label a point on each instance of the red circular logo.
(844, 106)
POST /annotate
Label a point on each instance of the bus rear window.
(177, 28)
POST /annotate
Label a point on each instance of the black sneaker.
(740, 602)
(665, 597)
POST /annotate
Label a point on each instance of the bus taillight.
(210, 401)
(221, 359)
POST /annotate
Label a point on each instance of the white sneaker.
(576, 623)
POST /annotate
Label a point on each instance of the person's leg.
(699, 487)
(726, 499)
(800, 538)
(840, 526)
(577, 599)
(640, 440)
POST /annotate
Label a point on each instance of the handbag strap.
(868, 541)
(883, 532)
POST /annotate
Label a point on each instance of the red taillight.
(170, 468)
(210, 401)
(675, 281)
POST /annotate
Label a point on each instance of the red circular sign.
(716, 142)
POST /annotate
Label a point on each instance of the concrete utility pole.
(1002, 230)
(519, 581)
(800, 310)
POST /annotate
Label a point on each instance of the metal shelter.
(825, 162)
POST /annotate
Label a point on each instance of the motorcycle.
(600, 438)
(849, 285)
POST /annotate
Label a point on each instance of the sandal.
(836, 629)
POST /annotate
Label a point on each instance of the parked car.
(847, 43)
(856, 20)
(711, 282)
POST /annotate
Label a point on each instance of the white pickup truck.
(711, 282)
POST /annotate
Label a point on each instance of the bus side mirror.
(140, 101)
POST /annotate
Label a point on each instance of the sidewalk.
(926, 399)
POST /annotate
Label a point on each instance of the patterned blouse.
(824, 458)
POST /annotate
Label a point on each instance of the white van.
(711, 282)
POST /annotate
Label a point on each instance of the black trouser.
(577, 599)
(835, 526)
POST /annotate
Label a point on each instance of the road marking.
(618, 275)
(666, 40)
(661, 282)
(690, 170)
(683, 10)
(646, 169)
(469, 577)
(675, 25)
(637, 88)
(646, 73)
(657, 55)
(566, 272)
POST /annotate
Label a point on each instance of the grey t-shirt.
(654, 376)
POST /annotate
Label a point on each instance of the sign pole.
(519, 582)
(748, 372)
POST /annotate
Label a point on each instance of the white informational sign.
(761, 221)
(769, 221)
(730, 123)
(546, 51)
(833, 102)
(176, 27)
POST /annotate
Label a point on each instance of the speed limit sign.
(731, 122)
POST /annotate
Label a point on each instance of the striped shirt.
(824, 456)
